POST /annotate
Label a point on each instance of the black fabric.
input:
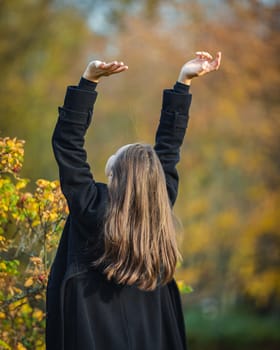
(180, 87)
(91, 86)
(86, 84)
(130, 317)
(84, 310)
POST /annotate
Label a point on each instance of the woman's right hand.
(97, 69)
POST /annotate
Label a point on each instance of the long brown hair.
(140, 239)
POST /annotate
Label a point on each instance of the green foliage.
(235, 329)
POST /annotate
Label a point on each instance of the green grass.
(236, 329)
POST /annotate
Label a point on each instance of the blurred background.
(229, 199)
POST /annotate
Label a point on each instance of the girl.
(111, 285)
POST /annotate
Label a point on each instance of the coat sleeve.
(77, 183)
(170, 135)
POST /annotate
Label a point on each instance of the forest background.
(229, 171)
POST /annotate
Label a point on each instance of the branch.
(29, 292)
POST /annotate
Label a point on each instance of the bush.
(30, 227)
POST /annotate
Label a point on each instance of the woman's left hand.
(199, 66)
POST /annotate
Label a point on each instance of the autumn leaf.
(29, 282)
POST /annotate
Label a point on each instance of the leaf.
(38, 314)
(184, 288)
(21, 184)
(4, 345)
(28, 283)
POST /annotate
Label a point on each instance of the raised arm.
(175, 114)
(76, 180)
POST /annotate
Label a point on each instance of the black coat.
(84, 310)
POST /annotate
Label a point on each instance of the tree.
(41, 49)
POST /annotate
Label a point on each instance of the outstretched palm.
(97, 69)
(202, 64)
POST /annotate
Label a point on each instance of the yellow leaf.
(21, 184)
(42, 182)
(50, 197)
(54, 184)
(3, 266)
(20, 346)
(28, 283)
(26, 308)
(53, 216)
(36, 260)
(38, 314)
(36, 223)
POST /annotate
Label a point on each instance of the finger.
(207, 56)
(218, 58)
(216, 63)
(96, 63)
(101, 65)
(119, 69)
(119, 64)
(116, 67)
(204, 55)
(110, 65)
